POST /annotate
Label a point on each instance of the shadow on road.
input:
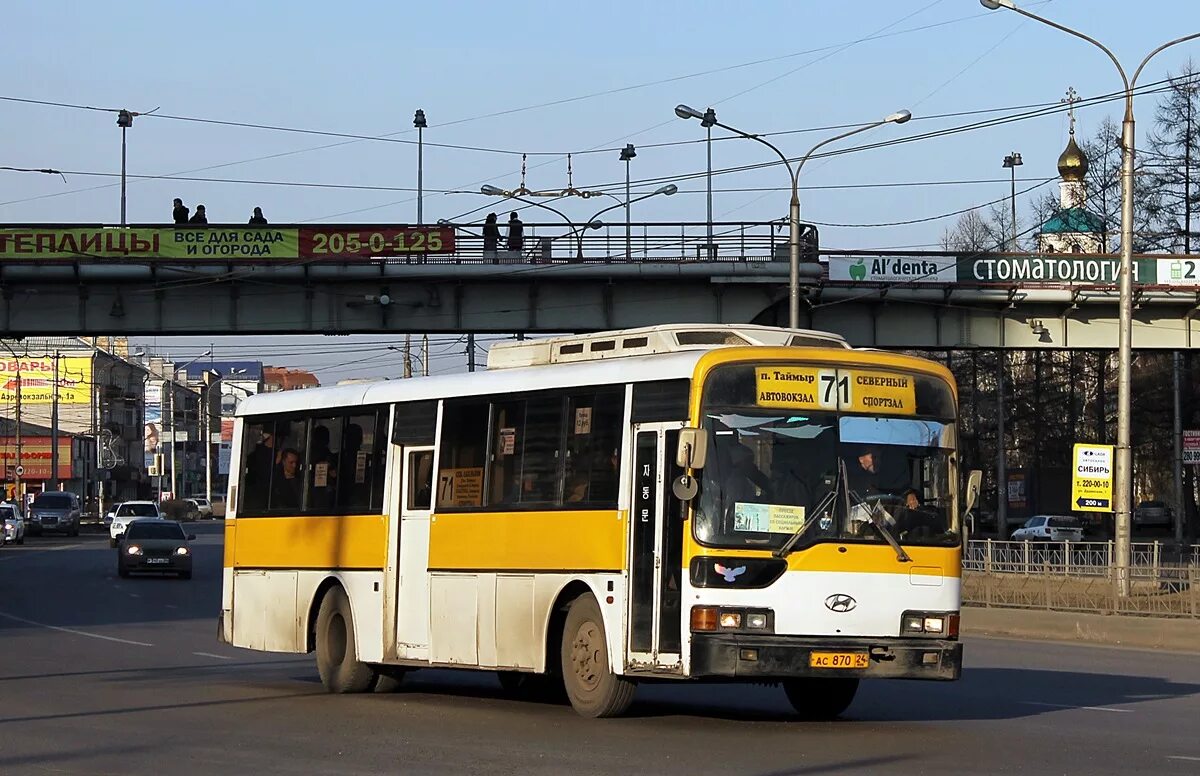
(983, 694)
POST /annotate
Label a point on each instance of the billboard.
(893, 269)
(36, 457)
(1092, 479)
(38, 376)
(198, 243)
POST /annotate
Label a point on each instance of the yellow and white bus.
(677, 502)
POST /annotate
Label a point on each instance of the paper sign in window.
(767, 518)
(508, 441)
(583, 420)
(321, 475)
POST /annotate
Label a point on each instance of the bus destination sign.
(863, 391)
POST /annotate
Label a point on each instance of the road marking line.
(209, 654)
(1183, 757)
(24, 552)
(73, 631)
(1070, 706)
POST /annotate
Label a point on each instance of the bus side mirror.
(974, 479)
(693, 448)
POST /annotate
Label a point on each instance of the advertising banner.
(1052, 269)
(1191, 446)
(897, 269)
(37, 457)
(1092, 478)
(1179, 272)
(222, 243)
(38, 376)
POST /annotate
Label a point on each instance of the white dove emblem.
(730, 575)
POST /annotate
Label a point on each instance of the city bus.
(682, 502)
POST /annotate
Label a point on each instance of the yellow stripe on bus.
(528, 541)
(866, 558)
(311, 542)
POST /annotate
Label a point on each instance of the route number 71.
(834, 388)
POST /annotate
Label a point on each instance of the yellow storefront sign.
(1092, 478)
(37, 378)
(829, 388)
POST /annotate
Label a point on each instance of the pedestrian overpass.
(341, 279)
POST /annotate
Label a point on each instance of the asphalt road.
(112, 676)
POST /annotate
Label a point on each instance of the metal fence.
(1082, 577)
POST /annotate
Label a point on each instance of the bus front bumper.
(781, 657)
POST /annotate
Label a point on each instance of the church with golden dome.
(1072, 228)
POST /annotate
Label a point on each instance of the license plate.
(839, 660)
(158, 560)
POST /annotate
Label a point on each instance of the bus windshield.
(831, 475)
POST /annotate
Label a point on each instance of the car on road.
(124, 514)
(1152, 513)
(1049, 528)
(54, 510)
(154, 544)
(201, 505)
(13, 525)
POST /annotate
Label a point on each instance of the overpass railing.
(732, 241)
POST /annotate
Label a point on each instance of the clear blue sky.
(364, 67)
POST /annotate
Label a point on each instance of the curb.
(1175, 634)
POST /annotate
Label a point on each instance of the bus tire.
(818, 698)
(337, 656)
(592, 687)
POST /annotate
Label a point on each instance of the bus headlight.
(936, 624)
(715, 618)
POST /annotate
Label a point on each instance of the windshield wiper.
(826, 501)
(880, 523)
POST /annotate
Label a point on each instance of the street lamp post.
(684, 112)
(1123, 484)
(124, 121)
(1012, 162)
(420, 123)
(627, 154)
(171, 383)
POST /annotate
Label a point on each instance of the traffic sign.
(1191, 446)
(1092, 478)
(20, 470)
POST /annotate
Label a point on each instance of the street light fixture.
(627, 154)
(124, 121)
(708, 120)
(899, 117)
(420, 123)
(591, 223)
(1012, 162)
(1123, 480)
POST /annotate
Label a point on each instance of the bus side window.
(420, 479)
(258, 463)
(324, 446)
(593, 433)
(287, 477)
(355, 464)
(526, 452)
(463, 442)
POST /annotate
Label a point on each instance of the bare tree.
(1173, 161)
(975, 232)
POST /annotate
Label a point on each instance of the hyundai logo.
(840, 603)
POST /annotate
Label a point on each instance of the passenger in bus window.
(259, 464)
(577, 489)
(323, 465)
(285, 490)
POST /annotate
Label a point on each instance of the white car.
(1049, 528)
(202, 505)
(120, 518)
(12, 525)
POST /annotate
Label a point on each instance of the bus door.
(412, 578)
(656, 550)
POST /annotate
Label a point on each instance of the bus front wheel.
(820, 699)
(337, 655)
(592, 687)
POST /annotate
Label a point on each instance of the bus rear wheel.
(592, 687)
(337, 655)
(820, 699)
